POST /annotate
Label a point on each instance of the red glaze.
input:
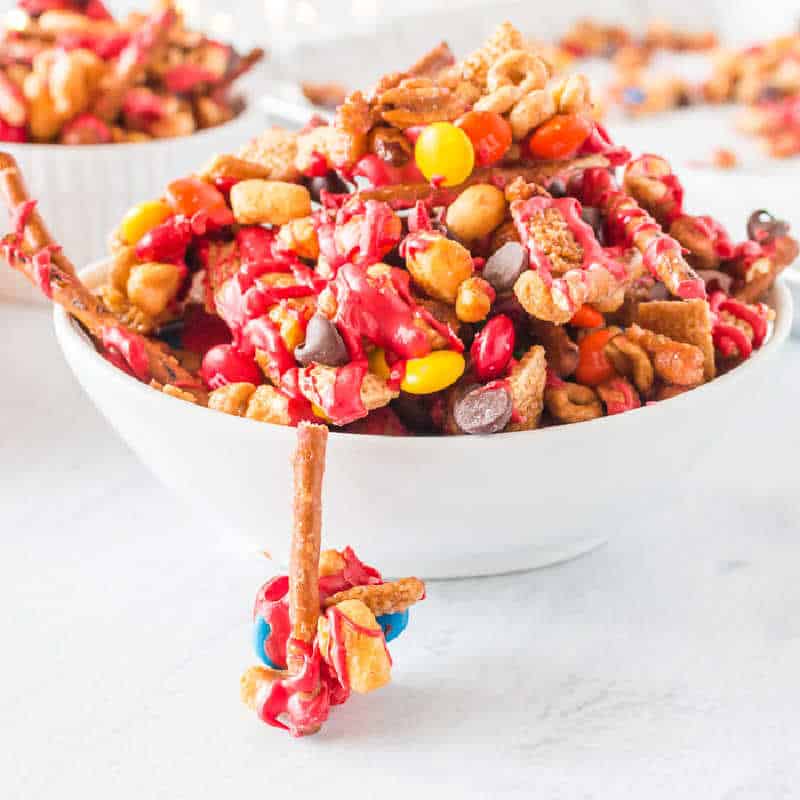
(223, 365)
(337, 650)
(130, 347)
(627, 400)
(730, 341)
(492, 348)
(599, 142)
(167, 242)
(372, 308)
(142, 107)
(86, 129)
(596, 187)
(13, 133)
(272, 605)
(757, 321)
(341, 401)
(202, 331)
(594, 255)
(105, 47)
(303, 699)
(186, 77)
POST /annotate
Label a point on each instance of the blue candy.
(634, 96)
(393, 624)
(261, 632)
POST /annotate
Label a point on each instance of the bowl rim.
(68, 331)
(251, 110)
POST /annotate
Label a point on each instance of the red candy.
(185, 77)
(593, 366)
(190, 195)
(202, 331)
(86, 129)
(493, 347)
(489, 133)
(166, 243)
(560, 137)
(13, 133)
(223, 365)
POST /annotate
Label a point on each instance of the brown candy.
(484, 409)
(506, 265)
(323, 344)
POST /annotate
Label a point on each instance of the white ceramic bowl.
(438, 506)
(792, 279)
(83, 192)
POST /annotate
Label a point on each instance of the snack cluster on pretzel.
(439, 260)
(71, 73)
(321, 631)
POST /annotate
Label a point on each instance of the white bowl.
(792, 278)
(83, 191)
(436, 506)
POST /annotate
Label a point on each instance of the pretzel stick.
(433, 62)
(56, 276)
(383, 598)
(245, 64)
(309, 467)
(132, 63)
(539, 173)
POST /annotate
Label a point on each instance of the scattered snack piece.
(321, 631)
(72, 74)
(724, 158)
(327, 95)
(436, 260)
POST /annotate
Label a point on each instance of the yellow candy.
(444, 151)
(377, 363)
(141, 219)
(433, 373)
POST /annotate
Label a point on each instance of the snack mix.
(454, 254)
(765, 79)
(72, 74)
(321, 632)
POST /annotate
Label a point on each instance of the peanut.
(476, 212)
(475, 297)
(232, 399)
(300, 237)
(439, 265)
(257, 202)
(267, 404)
(44, 121)
(151, 286)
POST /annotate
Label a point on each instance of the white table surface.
(664, 665)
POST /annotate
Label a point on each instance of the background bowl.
(83, 192)
(435, 507)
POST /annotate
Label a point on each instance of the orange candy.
(593, 366)
(187, 196)
(489, 133)
(560, 137)
(587, 317)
